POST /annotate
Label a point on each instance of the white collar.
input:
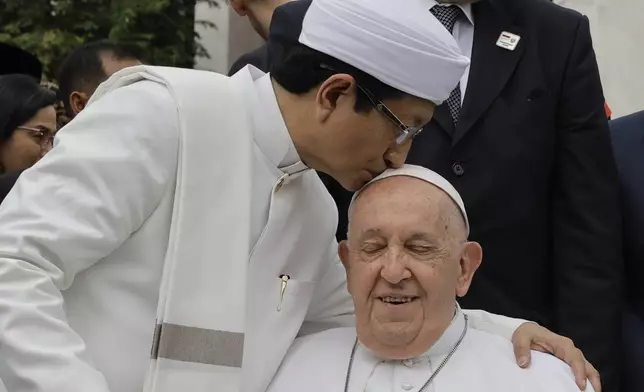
(450, 337)
(466, 8)
(271, 134)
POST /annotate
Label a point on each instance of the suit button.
(458, 169)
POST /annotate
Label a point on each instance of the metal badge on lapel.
(508, 41)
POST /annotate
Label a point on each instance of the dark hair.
(82, 69)
(300, 69)
(21, 97)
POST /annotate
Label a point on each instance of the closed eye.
(372, 249)
(420, 249)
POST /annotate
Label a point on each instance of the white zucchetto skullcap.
(398, 42)
(422, 174)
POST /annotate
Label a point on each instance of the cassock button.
(407, 386)
(279, 184)
(458, 169)
(408, 362)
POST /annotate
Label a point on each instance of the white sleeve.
(493, 323)
(331, 305)
(106, 174)
(550, 374)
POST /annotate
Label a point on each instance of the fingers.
(528, 337)
(566, 351)
(521, 341)
(593, 376)
(578, 365)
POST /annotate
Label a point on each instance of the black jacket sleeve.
(586, 217)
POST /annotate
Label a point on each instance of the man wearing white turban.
(407, 258)
(177, 229)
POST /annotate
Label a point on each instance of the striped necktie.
(448, 15)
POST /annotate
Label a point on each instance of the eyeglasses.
(405, 132)
(44, 137)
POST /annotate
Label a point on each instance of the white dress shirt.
(464, 35)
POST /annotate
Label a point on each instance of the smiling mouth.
(397, 300)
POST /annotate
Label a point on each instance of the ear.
(343, 252)
(469, 263)
(239, 6)
(78, 101)
(337, 90)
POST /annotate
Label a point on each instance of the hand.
(531, 336)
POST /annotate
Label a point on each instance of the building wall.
(618, 33)
(233, 37)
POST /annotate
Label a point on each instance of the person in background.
(260, 14)
(407, 259)
(27, 126)
(628, 143)
(16, 61)
(525, 140)
(86, 67)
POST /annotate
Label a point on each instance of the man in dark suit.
(628, 143)
(525, 140)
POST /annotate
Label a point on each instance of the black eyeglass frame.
(406, 132)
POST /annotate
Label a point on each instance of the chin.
(351, 184)
(391, 342)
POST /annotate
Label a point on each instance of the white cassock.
(483, 362)
(153, 161)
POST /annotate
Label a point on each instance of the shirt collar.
(450, 337)
(466, 8)
(271, 134)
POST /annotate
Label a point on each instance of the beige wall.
(233, 37)
(618, 33)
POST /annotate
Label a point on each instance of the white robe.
(84, 233)
(483, 362)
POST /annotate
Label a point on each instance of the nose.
(45, 149)
(396, 155)
(394, 270)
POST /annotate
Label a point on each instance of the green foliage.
(161, 31)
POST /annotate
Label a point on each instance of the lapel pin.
(508, 41)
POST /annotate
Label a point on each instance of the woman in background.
(27, 126)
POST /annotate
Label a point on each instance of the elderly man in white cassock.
(176, 237)
(407, 259)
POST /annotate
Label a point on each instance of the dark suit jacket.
(628, 144)
(532, 158)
